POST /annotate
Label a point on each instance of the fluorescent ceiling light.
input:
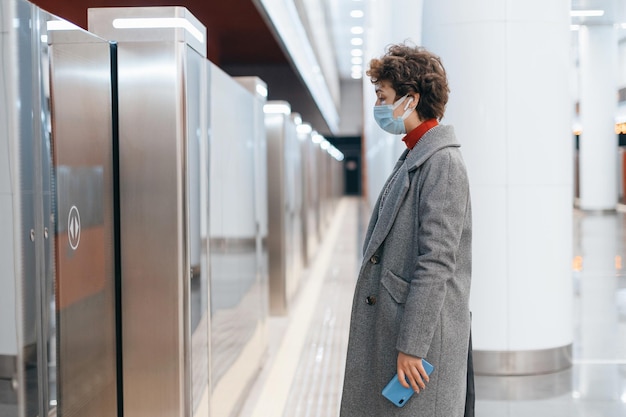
(356, 13)
(356, 75)
(261, 90)
(356, 30)
(356, 52)
(297, 120)
(304, 128)
(356, 60)
(356, 41)
(586, 13)
(158, 22)
(280, 108)
(335, 153)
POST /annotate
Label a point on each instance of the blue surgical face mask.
(383, 114)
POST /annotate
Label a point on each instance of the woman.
(411, 298)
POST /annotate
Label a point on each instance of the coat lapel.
(435, 139)
(386, 216)
(376, 210)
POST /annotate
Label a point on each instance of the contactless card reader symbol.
(73, 227)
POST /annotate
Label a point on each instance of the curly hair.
(413, 70)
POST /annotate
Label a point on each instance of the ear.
(412, 101)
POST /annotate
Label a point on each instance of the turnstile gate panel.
(84, 238)
(163, 154)
(57, 316)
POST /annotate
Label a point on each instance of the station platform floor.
(303, 373)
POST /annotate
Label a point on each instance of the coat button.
(371, 300)
(374, 259)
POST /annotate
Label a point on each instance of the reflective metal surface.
(154, 261)
(323, 214)
(237, 222)
(197, 173)
(82, 143)
(26, 303)
(164, 274)
(310, 197)
(283, 208)
(293, 181)
(10, 240)
(522, 363)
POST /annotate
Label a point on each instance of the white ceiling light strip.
(284, 17)
(277, 108)
(159, 22)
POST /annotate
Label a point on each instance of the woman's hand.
(410, 368)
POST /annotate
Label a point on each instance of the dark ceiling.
(236, 31)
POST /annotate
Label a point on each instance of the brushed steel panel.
(25, 139)
(197, 340)
(155, 269)
(324, 212)
(531, 362)
(311, 206)
(284, 236)
(27, 185)
(274, 124)
(294, 183)
(162, 130)
(80, 83)
(306, 198)
(10, 243)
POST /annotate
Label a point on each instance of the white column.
(510, 105)
(598, 105)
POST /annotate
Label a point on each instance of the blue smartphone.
(396, 393)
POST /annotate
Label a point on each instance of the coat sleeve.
(442, 204)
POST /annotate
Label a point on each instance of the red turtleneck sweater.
(411, 139)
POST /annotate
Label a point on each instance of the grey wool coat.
(412, 293)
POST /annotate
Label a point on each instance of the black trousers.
(470, 396)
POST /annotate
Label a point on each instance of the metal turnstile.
(163, 220)
(283, 212)
(310, 192)
(57, 286)
(85, 239)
